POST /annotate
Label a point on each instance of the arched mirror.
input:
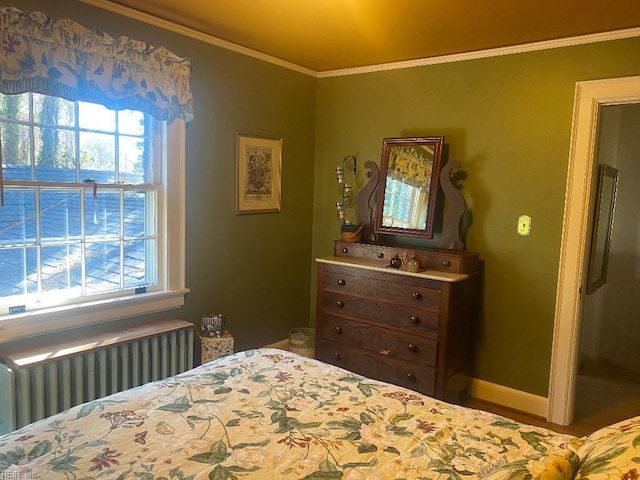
(408, 186)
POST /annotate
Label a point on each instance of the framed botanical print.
(258, 174)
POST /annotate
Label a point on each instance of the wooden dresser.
(410, 329)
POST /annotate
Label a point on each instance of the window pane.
(96, 117)
(102, 215)
(60, 215)
(401, 201)
(19, 272)
(132, 160)
(53, 110)
(103, 267)
(18, 217)
(15, 107)
(139, 208)
(62, 269)
(137, 255)
(97, 157)
(16, 149)
(55, 154)
(131, 122)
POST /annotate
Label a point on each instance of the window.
(87, 220)
(402, 204)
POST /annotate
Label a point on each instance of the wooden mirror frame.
(415, 147)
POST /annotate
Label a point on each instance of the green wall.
(253, 267)
(508, 121)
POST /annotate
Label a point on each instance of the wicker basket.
(354, 236)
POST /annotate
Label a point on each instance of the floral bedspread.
(270, 414)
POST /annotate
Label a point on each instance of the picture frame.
(602, 227)
(258, 174)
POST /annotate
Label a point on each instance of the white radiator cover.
(35, 391)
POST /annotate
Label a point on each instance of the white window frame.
(171, 250)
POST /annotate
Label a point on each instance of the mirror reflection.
(602, 228)
(408, 185)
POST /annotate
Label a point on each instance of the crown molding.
(493, 52)
(458, 57)
(195, 34)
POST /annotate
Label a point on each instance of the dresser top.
(373, 265)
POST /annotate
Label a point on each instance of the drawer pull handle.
(411, 376)
(340, 304)
(336, 355)
(446, 263)
(380, 255)
(342, 282)
(345, 250)
(416, 295)
(412, 347)
(415, 320)
(338, 329)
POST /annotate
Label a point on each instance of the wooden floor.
(577, 430)
(603, 396)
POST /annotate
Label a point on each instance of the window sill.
(21, 325)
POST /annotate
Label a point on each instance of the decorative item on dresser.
(404, 327)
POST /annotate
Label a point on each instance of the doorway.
(590, 98)
(608, 376)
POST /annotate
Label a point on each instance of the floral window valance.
(410, 166)
(63, 58)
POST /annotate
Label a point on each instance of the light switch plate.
(524, 225)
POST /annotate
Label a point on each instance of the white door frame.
(589, 98)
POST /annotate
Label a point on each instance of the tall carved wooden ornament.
(457, 206)
(363, 201)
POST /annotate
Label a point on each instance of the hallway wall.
(620, 332)
(610, 328)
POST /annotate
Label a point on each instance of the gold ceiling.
(325, 35)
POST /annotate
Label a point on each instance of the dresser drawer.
(445, 263)
(406, 291)
(412, 319)
(397, 372)
(379, 253)
(346, 331)
(385, 342)
(453, 261)
(352, 250)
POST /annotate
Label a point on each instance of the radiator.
(90, 368)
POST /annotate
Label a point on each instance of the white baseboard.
(487, 392)
(510, 398)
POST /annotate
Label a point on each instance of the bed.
(271, 414)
